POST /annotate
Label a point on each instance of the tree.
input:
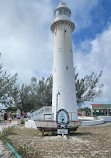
(37, 94)
(88, 88)
(48, 91)
(7, 86)
(25, 101)
(44, 91)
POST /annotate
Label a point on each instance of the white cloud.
(85, 46)
(97, 59)
(81, 12)
(26, 41)
(25, 36)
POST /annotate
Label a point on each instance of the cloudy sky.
(26, 42)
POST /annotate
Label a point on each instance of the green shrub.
(14, 115)
(22, 122)
(25, 151)
(94, 115)
(6, 132)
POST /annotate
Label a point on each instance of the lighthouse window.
(57, 13)
(68, 14)
(65, 12)
(59, 49)
(61, 11)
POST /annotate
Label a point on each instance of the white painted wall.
(39, 114)
(63, 71)
(30, 124)
(105, 118)
(86, 118)
(90, 123)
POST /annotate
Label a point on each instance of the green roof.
(101, 106)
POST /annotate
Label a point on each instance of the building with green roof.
(101, 109)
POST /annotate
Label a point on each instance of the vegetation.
(86, 110)
(26, 152)
(88, 88)
(87, 142)
(6, 132)
(22, 122)
(39, 92)
(7, 87)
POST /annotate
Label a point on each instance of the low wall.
(105, 118)
(90, 123)
(86, 118)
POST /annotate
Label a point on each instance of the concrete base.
(30, 124)
(90, 123)
(50, 125)
(86, 118)
(105, 118)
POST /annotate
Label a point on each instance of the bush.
(27, 152)
(6, 132)
(22, 122)
(14, 115)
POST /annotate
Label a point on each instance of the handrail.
(41, 111)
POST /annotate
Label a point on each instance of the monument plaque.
(62, 118)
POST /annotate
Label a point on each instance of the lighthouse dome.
(62, 3)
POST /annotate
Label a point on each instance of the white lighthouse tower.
(64, 92)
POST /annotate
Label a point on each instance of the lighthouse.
(64, 91)
(62, 116)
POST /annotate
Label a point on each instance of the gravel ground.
(4, 150)
(86, 142)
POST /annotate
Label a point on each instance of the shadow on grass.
(50, 133)
(71, 134)
(80, 133)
